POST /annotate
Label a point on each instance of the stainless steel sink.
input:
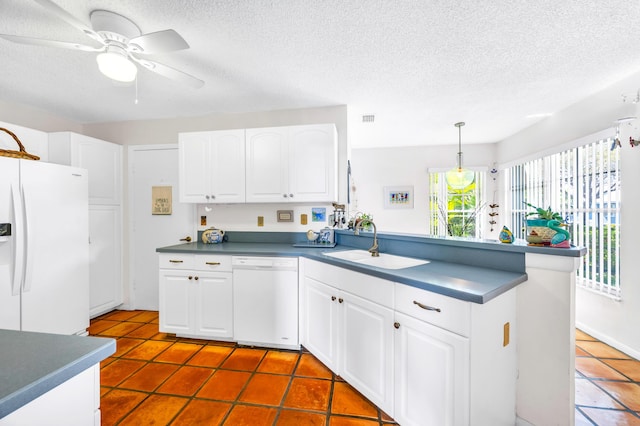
(385, 260)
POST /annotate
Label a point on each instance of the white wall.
(375, 168)
(35, 118)
(614, 322)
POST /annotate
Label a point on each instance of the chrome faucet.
(374, 248)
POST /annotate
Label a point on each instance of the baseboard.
(609, 341)
(522, 422)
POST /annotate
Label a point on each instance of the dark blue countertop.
(465, 282)
(32, 364)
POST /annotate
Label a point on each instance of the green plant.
(541, 213)
(460, 223)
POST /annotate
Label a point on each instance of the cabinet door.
(105, 272)
(320, 321)
(312, 162)
(431, 375)
(103, 160)
(366, 349)
(213, 300)
(227, 166)
(194, 179)
(267, 165)
(175, 301)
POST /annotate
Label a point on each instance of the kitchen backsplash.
(245, 217)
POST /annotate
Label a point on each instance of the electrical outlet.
(203, 221)
(303, 219)
(260, 220)
(505, 334)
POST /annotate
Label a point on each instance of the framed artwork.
(161, 200)
(318, 214)
(398, 197)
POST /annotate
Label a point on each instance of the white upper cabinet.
(34, 141)
(102, 159)
(212, 166)
(268, 165)
(312, 162)
(291, 164)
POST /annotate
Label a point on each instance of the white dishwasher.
(265, 301)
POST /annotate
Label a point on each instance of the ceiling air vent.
(368, 118)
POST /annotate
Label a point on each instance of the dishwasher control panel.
(255, 262)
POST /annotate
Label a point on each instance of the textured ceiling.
(419, 66)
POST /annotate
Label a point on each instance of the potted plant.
(544, 228)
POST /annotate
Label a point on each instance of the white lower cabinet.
(431, 375)
(320, 321)
(105, 280)
(423, 358)
(196, 295)
(366, 355)
(347, 331)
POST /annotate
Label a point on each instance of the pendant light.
(459, 178)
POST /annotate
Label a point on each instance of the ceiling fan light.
(116, 66)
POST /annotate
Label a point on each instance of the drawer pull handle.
(196, 278)
(176, 261)
(212, 263)
(190, 277)
(333, 298)
(341, 300)
(425, 307)
(396, 325)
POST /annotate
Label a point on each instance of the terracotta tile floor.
(157, 378)
(607, 384)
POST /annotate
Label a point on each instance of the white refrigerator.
(44, 247)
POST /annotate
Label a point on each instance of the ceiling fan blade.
(50, 43)
(158, 42)
(171, 73)
(69, 18)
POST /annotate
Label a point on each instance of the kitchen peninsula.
(491, 299)
(50, 378)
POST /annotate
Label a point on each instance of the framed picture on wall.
(161, 201)
(398, 197)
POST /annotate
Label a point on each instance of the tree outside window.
(455, 212)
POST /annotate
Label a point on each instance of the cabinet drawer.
(445, 312)
(176, 261)
(212, 262)
(366, 286)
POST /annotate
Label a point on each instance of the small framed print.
(161, 200)
(285, 215)
(318, 214)
(398, 197)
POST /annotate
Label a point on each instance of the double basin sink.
(385, 260)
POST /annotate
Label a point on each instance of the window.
(455, 212)
(583, 184)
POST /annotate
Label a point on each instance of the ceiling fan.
(121, 41)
